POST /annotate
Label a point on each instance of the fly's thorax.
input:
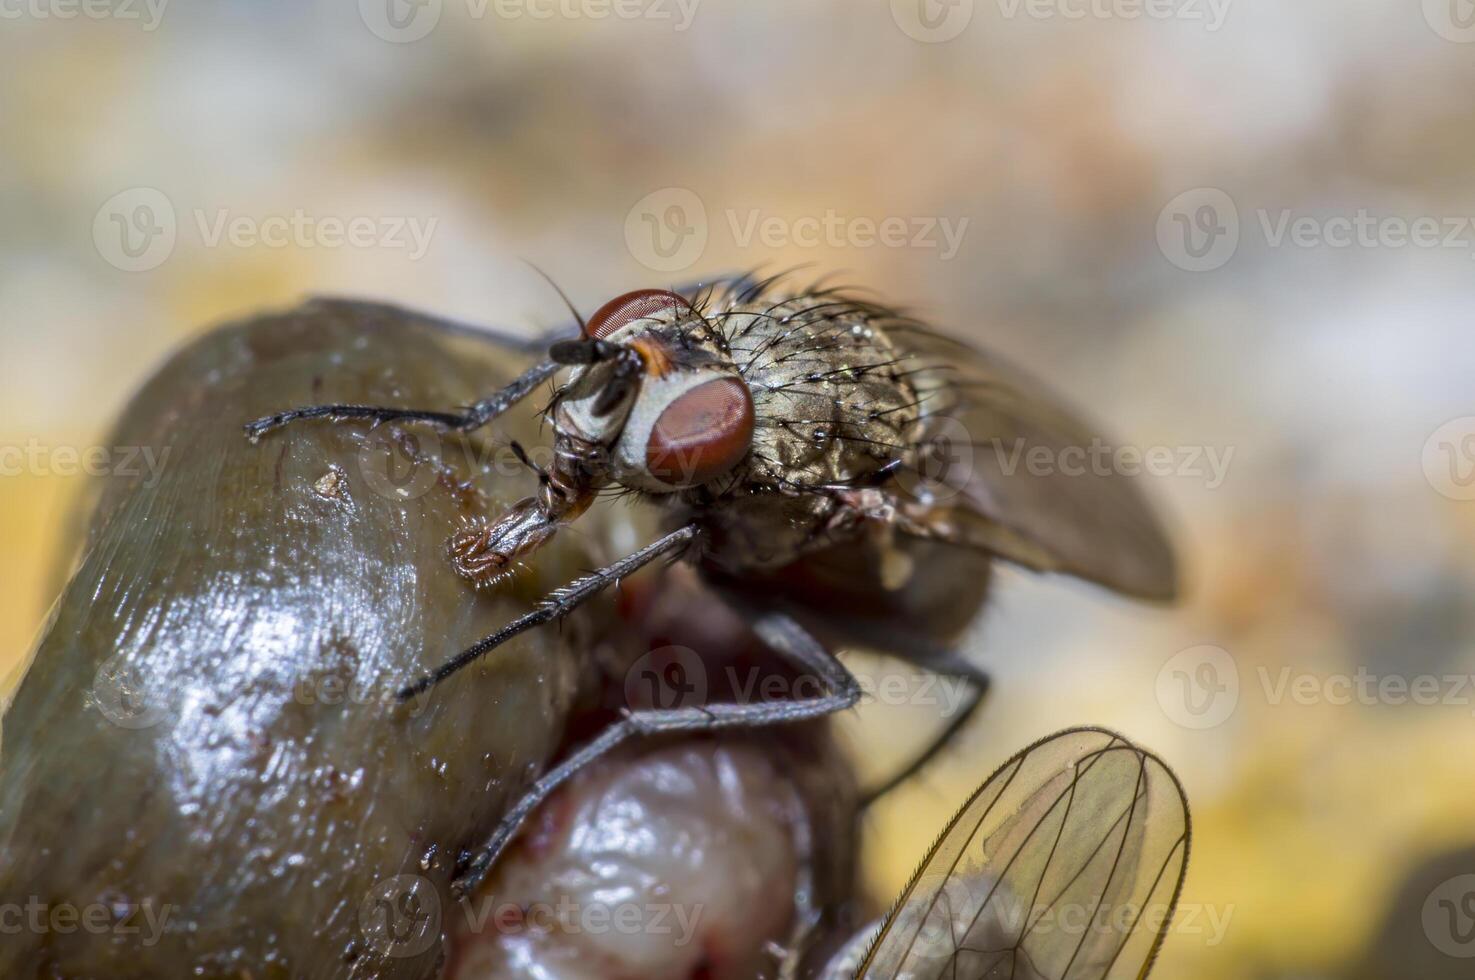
(832, 395)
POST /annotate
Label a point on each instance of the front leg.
(473, 417)
(557, 605)
(484, 552)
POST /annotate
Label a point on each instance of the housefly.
(835, 469)
(1067, 864)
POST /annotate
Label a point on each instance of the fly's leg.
(556, 605)
(948, 663)
(474, 417)
(778, 631)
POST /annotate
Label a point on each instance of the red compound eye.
(626, 309)
(702, 434)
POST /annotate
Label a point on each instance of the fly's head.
(655, 402)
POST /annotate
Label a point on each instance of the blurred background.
(1238, 232)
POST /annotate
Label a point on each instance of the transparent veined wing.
(1004, 465)
(1065, 865)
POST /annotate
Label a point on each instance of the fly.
(838, 471)
(1067, 864)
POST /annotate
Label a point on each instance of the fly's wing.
(1003, 465)
(1065, 865)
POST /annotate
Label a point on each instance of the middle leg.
(781, 634)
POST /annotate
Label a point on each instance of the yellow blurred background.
(1235, 230)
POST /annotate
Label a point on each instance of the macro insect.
(1066, 864)
(835, 469)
